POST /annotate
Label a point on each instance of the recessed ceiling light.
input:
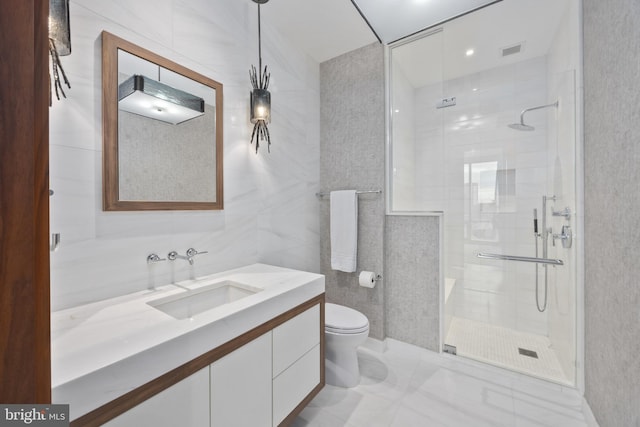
(470, 52)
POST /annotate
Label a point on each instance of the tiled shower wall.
(403, 249)
(352, 157)
(412, 291)
(270, 210)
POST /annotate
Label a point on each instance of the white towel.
(344, 230)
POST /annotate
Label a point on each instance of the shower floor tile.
(499, 346)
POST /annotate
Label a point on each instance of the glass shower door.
(482, 130)
(508, 223)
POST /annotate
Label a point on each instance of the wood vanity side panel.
(25, 363)
(110, 410)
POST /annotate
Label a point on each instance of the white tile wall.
(271, 213)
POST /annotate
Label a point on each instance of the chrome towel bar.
(521, 258)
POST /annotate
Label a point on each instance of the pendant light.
(59, 45)
(260, 96)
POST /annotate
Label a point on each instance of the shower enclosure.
(483, 132)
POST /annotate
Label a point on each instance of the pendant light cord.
(259, 48)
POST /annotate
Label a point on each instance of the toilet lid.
(341, 319)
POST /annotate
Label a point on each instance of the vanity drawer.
(295, 383)
(294, 338)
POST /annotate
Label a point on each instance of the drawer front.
(294, 338)
(295, 383)
(241, 386)
(183, 404)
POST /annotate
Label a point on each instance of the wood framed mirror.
(162, 132)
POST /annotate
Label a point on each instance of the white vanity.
(243, 347)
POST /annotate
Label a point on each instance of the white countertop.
(103, 350)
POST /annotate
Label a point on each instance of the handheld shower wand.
(545, 239)
(535, 237)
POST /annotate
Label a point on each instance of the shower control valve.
(565, 235)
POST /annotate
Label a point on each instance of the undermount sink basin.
(195, 301)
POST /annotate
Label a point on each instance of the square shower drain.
(528, 353)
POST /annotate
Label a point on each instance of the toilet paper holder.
(368, 279)
(377, 278)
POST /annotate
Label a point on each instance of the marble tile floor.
(408, 386)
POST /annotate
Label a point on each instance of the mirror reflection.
(165, 149)
(164, 146)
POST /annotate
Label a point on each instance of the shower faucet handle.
(566, 212)
(565, 236)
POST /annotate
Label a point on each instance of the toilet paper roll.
(367, 279)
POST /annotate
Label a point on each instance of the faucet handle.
(191, 252)
(565, 236)
(154, 258)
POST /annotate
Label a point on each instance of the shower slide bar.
(321, 194)
(521, 258)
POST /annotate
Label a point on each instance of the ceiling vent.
(512, 50)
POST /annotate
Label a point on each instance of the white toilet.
(344, 330)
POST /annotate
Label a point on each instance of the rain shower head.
(522, 125)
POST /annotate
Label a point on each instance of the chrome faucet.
(173, 255)
(154, 258)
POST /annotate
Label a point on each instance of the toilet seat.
(339, 319)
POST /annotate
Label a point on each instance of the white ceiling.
(393, 20)
(325, 29)
(487, 32)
